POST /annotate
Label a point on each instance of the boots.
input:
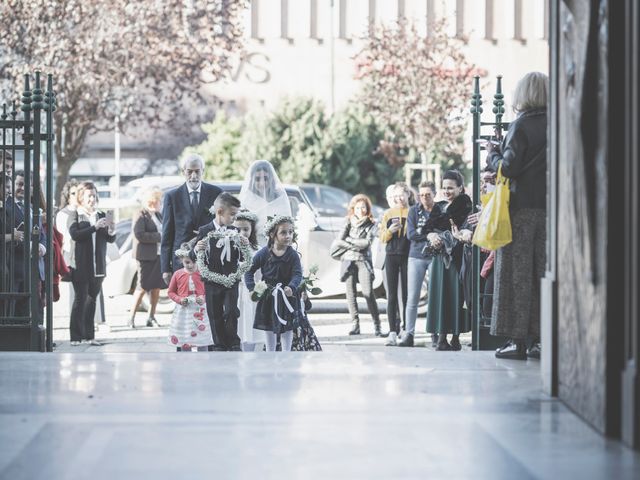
(355, 327)
(376, 326)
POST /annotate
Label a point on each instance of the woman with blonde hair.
(519, 266)
(147, 234)
(357, 267)
(393, 233)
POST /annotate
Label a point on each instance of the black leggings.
(395, 268)
(83, 310)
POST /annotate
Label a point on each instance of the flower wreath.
(274, 221)
(247, 215)
(246, 259)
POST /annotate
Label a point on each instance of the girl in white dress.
(246, 223)
(190, 323)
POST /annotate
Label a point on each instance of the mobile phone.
(395, 220)
(482, 140)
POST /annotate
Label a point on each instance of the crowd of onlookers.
(429, 240)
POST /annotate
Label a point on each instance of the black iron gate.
(26, 253)
(481, 340)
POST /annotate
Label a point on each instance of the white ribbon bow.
(225, 244)
(276, 289)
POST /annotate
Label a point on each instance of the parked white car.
(313, 245)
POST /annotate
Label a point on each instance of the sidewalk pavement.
(331, 328)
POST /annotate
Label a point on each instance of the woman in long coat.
(445, 312)
(90, 231)
(520, 265)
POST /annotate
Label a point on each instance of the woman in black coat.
(147, 229)
(90, 230)
(520, 265)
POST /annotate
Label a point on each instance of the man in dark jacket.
(184, 211)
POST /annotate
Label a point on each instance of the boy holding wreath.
(223, 255)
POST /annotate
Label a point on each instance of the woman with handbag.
(520, 265)
(354, 249)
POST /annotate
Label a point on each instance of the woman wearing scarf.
(90, 231)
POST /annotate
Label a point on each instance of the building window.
(431, 16)
(372, 16)
(255, 19)
(284, 20)
(313, 18)
(460, 18)
(489, 19)
(402, 10)
(342, 23)
(518, 32)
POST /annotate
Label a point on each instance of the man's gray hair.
(191, 158)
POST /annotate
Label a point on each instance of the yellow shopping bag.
(494, 225)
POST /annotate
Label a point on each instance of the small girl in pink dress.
(190, 323)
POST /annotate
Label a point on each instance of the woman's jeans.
(395, 267)
(416, 271)
(360, 274)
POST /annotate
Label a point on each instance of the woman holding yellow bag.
(520, 264)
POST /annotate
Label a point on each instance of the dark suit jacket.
(215, 264)
(81, 232)
(146, 236)
(17, 248)
(178, 226)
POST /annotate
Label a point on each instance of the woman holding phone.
(90, 231)
(393, 233)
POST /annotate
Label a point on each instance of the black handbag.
(338, 249)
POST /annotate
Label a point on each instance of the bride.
(262, 193)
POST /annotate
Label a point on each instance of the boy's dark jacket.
(215, 264)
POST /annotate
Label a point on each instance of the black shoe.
(219, 348)
(384, 335)
(152, 322)
(534, 351)
(235, 348)
(377, 331)
(407, 341)
(434, 340)
(455, 344)
(512, 350)
(443, 346)
(355, 330)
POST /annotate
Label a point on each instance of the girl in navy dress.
(281, 271)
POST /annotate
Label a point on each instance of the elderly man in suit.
(185, 210)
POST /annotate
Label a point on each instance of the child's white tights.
(286, 339)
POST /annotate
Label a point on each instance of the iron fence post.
(476, 110)
(49, 107)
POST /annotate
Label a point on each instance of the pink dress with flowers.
(190, 323)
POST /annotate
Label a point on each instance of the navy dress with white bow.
(272, 312)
